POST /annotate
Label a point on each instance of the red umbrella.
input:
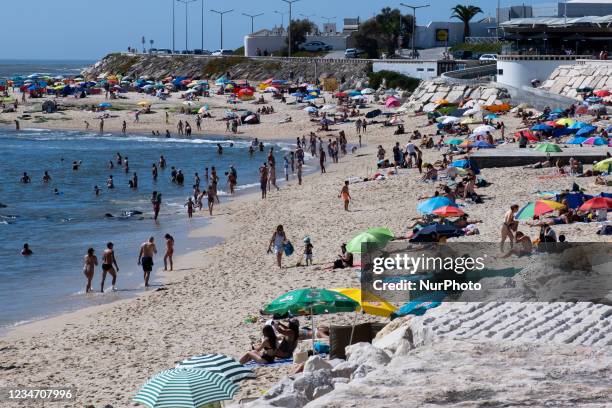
(602, 93)
(341, 95)
(596, 204)
(448, 211)
(528, 134)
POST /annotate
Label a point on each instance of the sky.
(90, 29)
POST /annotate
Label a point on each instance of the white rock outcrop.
(566, 79)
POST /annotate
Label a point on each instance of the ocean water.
(60, 228)
(10, 67)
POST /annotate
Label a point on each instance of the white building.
(449, 33)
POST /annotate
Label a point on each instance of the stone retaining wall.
(567, 78)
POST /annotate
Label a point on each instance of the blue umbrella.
(428, 206)
(481, 144)
(466, 164)
(426, 234)
(105, 105)
(310, 98)
(587, 130)
(593, 99)
(419, 306)
(578, 125)
(354, 93)
(297, 94)
(577, 140)
(491, 116)
(558, 110)
(541, 126)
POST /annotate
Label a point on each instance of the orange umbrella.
(448, 211)
(596, 204)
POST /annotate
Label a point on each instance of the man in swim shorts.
(145, 258)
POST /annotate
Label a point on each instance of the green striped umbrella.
(311, 301)
(185, 388)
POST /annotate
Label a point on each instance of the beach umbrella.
(367, 91)
(538, 208)
(527, 134)
(188, 103)
(450, 119)
(602, 93)
(340, 94)
(430, 205)
(470, 121)
(541, 127)
(553, 124)
(373, 114)
(381, 231)
(310, 109)
(374, 306)
(144, 103)
(354, 93)
(441, 102)
(310, 301)
(595, 141)
(203, 109)
(453, 141)
(586, 130)
(472, 111)
(310, 98)
(219, 364)
(372, 239)
(577, 140)
(187, 388)
(325, 121)
(548, 148)
(104, 105)
(392, 103)
(328, 108)
(427, 233)
(482, 129)
(481, 144)
(578, 125)
(272, 89)
(604, 165)
(448, 211)
(597, 203)
(593, 99)
(396, 121)
(491, 116)
(565, 122)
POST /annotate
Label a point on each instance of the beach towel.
(278, 362)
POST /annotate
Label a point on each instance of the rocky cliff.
(566, 79)
(255, 69)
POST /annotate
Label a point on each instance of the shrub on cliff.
(394, 80)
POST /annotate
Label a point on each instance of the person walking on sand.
(145, 258)
(322, 159)
(263, 179)
(278, 240)
(123, 127)
(167, 118)
(345, 195)
(509, 226)
(189, 204)
(108, 261)
(272, 175)
(101, 125)
(169, 252)
(90, 263)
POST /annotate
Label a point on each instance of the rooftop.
(560, 22)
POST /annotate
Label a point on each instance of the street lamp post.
(252, 16)
(173, 32)
(186, 2)
(221, 13)
(414, 8)
(282, 17)
(202, 25)
(290, 2)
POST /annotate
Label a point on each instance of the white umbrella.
(450, 119)
(356, 97)
(471, 111)
(482, 129)
(310, 109)
(188, 103)
(271, 89)
(327, 108)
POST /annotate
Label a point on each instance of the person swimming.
(26, 251)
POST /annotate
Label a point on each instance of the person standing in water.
(169, 252)
(189, 204)
(101, 125)
(26, 251)
(156, 200)
(211, 193)
(263, 179)
(345, 195)
(108, 261)
(162, 162)
(90, 263)
(145, 258)
(46, 177)
(154, 172)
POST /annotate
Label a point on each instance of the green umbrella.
(548, 148)
(375, 239)
(454, 141)
(311, 301)
(381, 231)
(185, 388)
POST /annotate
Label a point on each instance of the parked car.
(462, 55)
(160, 51)
(218, 53)
(315, 46)
(201, 52)
(488, 57)
(187, 52)
(352, 53)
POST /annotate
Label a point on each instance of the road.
(339, 54)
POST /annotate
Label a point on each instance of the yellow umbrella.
(565, 122)
(604, 165)
(144, 103)
(378, 307)
(442, 102)
(470, 121)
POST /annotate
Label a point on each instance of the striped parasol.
(220, 364)
(184, 388)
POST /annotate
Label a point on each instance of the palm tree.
(465, 14)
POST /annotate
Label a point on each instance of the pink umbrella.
(392, 102)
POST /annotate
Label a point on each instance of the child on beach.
(345, 195)
(308, 251)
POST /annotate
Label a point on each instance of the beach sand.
(108, 352)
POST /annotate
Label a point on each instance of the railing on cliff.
(471, 76)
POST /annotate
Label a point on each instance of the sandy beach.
(108, 352)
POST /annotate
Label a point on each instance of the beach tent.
(180, 387)
(430, 205)
(392, 102)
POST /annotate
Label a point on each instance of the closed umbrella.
(219, 364)
(548, 148)
(178, 388)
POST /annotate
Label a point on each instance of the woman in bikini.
(265, 352)
(509, 226)
(90, 263)
(169, 252)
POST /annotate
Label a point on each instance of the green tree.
(382, 32)
(299, 29)
(465, 14)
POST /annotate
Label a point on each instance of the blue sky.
(89, 29)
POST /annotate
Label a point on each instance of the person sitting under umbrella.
(265, 352)
(345, 259)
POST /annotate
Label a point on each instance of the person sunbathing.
(265, 352)
(523, 246)
(431, 174)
